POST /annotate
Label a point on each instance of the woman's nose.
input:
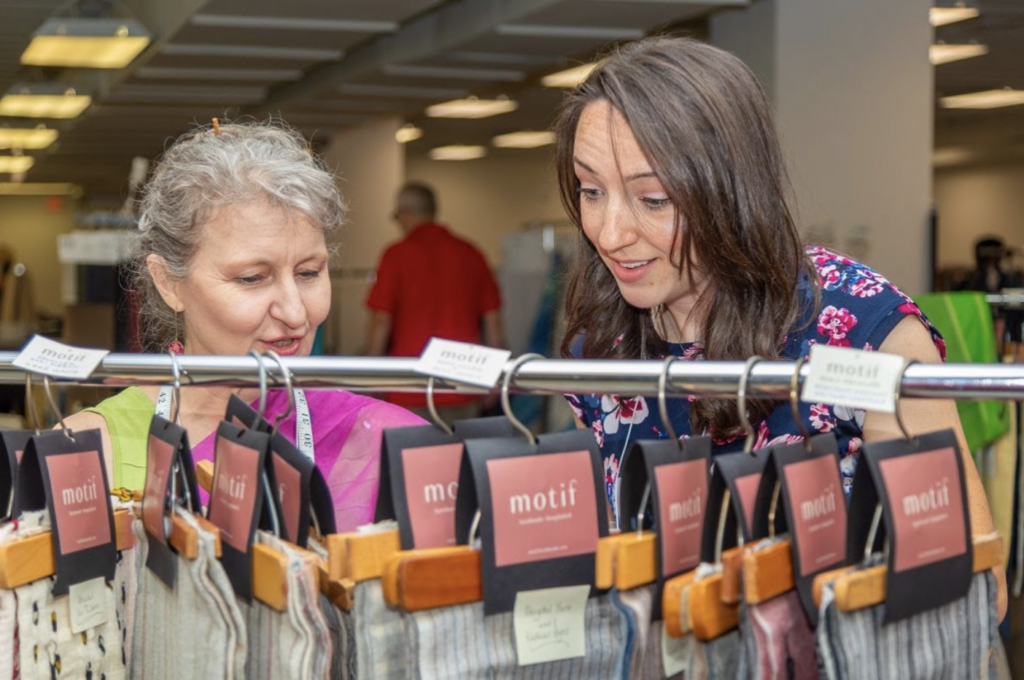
(288, 306)
(618, 228)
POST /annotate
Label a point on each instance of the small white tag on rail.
(57, 360)
(462, 362)
(853, 378)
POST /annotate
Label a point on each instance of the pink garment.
(347, 430)
(782, 643)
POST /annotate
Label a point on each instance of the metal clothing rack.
(768, 379)
(1006, 300)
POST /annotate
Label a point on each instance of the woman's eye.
(589, 194)
(656, 203)
(310, 274)
(255, 278)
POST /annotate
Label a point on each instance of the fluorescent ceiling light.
(455, 73)
(940, 16)
(43, 101)
(989, 99)
(408, 133)
(569, 32)
(524, 139)
(86, 43)
(27, 138)
(943, 53)
(570, 77)
(251, 52)
(15, 164)
(471, 107)
(292, 24)
(39, 189)
(457, 152)
(260, 74)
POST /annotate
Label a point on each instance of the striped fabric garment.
(719, 659)
(954, 642)
(285, 644)
(460, 643)
(778, 640)
(382, 645)
(8, 619)
(339, 644)
(646, 653)
(204, 642)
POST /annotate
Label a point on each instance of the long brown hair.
(704, 125)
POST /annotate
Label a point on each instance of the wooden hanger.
(857, 589)
(414, 580)
(767, 572)
(360, 556)
(626, 561)
(29, 559)
(707, 616)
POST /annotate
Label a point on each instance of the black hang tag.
(165, 438)
(927, 520)
(293, 476)
(12, 444)
(239, 413)
(323, 503)
(484, 428)
(541, 512)
(679, 491)
(810, 507)
(419, 485)
(74, 485)
(237, 499)
(740, 474)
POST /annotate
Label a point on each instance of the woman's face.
(625, 210)
(258, 281)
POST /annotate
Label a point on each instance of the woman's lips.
(289, 349)
(631, 271)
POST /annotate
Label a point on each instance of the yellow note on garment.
(549, 624)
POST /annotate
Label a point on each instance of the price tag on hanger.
(462, 362)
(57, 360)
(853, 378)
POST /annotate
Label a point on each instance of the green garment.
(128, 415)
(965, 321)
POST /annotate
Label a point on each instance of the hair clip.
(216, 126)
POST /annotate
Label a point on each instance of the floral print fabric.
(858, 308)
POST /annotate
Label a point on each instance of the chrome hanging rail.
(551, 376)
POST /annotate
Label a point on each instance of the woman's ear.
(166, 285)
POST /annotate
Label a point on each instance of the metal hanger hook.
(741, 403)
(432, 408)
(662, 402)
(286, 377)
(31, 403)
(794, 402)
(898, 400)
(262, 409)
(56, 409)
(176, 389)
(506, 405)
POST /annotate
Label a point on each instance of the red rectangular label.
(431, 484)
(544, 507)
(233, 500)
(289, 494)
(819, 512)
(682, 498)
(79, 500)
(927, 507)
(158, 467)
(747, 487)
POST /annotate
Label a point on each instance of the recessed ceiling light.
(524, 139)
(943, 53)
(940, 16)
(43, 101)
(408, 133)
(471, 107)
(570, 77)
(457, 152)
(15, 164)
(988, 99)
(27, 137)
(86, 43)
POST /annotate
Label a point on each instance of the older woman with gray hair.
(233, 256)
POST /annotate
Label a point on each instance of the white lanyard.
(303, 423)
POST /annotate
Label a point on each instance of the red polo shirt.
(432, 283)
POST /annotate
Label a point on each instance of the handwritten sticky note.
(853, 378)
(548, 624)
(462, 362)
(88, 604)
(675, 653)
(42, 355)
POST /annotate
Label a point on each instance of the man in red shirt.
(431, 283)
